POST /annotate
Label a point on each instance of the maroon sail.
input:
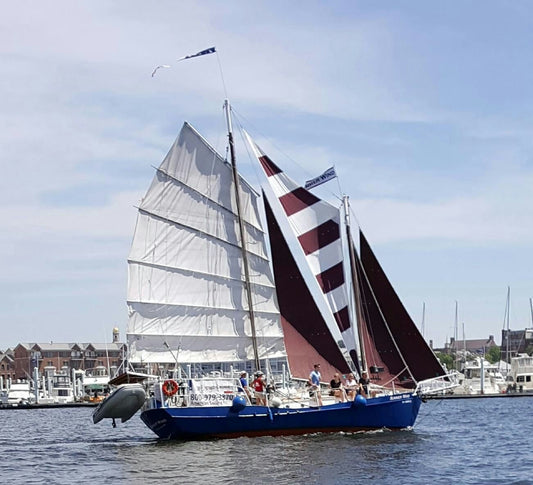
(307, 337)
(401, 348)
(382, 358)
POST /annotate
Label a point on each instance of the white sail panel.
(186, 285)
(162, 243)
(194, 163)
(308, 220)
(145, 318)
(152, 284)
(325, 258)
(152, 349)
(169, 200)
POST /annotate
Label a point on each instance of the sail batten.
(201, 232)
(211, 200)
(195, 273)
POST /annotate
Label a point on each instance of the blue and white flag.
(201, 53)
(327, 175)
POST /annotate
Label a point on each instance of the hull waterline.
(194, 423)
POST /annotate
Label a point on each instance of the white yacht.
(95, 383)
(480, 377)
(17, 393)
(522, 372)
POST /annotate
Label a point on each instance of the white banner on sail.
(327, 175)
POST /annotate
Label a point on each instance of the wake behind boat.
(202, 296)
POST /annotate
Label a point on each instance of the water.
(475, 441)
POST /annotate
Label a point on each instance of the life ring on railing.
(169, 387)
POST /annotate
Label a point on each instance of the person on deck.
(336, 388)
(259, 386)
(244, 384)
(314, 381)
(350, 385)
(364, 384)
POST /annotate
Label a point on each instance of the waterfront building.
(472, 346)
(25, 357)
(7, 367)
(516, 342)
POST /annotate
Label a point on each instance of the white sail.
(186, 288)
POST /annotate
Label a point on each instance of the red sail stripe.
(342, 318)
(269, 166)
(331, 278)
(319, 237)
(297, 200)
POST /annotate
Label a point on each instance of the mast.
(242, 233)
(423, 324)
(455, 336)
(506, 324)
(355, 284)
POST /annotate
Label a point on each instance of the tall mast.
(455, 335)
(506, 324)
(247, 285)
(355, 284)
(423, 324)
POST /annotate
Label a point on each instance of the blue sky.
(425, 108)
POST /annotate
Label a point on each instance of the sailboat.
(222, 274)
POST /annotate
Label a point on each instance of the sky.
(424, 108)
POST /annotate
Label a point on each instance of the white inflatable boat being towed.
(121, 404)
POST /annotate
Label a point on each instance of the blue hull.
(193, 423)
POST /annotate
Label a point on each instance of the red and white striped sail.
(315, 227)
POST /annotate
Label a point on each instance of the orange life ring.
(170, 387)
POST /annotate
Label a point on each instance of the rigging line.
(222, 75)
(301, 167)
(421, 419)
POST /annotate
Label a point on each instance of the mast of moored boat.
(506, 325)
(227, 108)
(355, 284)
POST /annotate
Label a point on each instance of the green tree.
(445, 359)
(493, 354)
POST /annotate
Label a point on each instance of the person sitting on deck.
(350, 385)
(259, 386)
(336, 388)
(364, 383)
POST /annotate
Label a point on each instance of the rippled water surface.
(455, 441)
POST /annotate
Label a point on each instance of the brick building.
(516, 342)
(474, 346)
(80, 356)
(7, 366)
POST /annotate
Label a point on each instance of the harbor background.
(474, 441)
